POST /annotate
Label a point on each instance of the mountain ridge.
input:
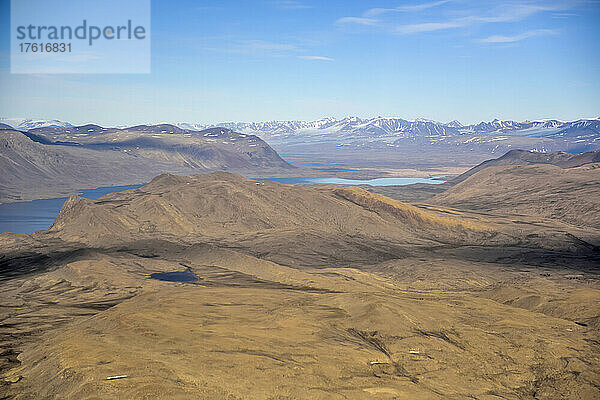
(548, 190)
(335, 138)
(396, 125)
(376, 126)
(228, 208)
(51, 161)
(523, 157)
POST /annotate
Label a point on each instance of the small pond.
(177, 276)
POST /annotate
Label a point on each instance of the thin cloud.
(291, 5)
(503, 12)
(259, 45)
(517, 12)
(357, 20)
(207, 8)
(517, 38)
(257, 48)
(261, 48)
(564, 15)
(509, 13)
(428, 27)
(316, 58)
(406, 8)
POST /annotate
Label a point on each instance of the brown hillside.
(569, 195)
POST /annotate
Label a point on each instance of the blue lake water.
(177, 276)
(342, 181)
(31, 216)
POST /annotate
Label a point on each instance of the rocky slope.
(568, 195)
(559, 185)
(522, 179)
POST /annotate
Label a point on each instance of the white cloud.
(261, 48)
(358, 21)
(517, 38)
(517, 12)
(405, 8)
(316, 58)
(428, 27)
(501, 12)
(507, 13)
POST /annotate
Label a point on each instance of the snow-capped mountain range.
(398, 134)
(391, 126)
(359, 136)
(376, 127)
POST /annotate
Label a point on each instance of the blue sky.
(281, 59)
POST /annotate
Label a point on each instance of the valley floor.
(251, 329)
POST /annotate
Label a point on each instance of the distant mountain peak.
(25, 124)
(454, 124)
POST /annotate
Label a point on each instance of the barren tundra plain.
(306, 293)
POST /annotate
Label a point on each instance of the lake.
(342, 181)
(177, 276)
(35, 215)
